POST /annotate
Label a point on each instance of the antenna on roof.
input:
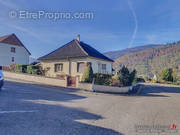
(78, 37)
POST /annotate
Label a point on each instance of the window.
(58, 67)
(12, 59)
(13, 49)
(80, 67)
(104, 68)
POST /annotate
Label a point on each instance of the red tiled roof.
(12, 39)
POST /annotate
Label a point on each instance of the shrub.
(20, 68)
(115, 77)
(103, 79)
(154, 80)
(125, 76)
(147, 79)
(167, 75)
(175, 76)
(87, 75)
(35, 70)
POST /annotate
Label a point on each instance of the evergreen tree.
(87, 75)
(125, 77)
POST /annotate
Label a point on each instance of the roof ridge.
(4, 38)
(56, 49)
(81, 47)
(20, 42)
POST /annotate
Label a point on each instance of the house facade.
(72, 59)
(12, 51)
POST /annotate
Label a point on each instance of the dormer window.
(13, 49)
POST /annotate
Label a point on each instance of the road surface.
(32, 109)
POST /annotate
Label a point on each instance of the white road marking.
(19, 111)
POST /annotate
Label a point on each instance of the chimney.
(78, 37)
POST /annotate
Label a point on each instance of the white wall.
(95, 63)
(102, 88)
(21, 56)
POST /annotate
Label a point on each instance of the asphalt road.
(32, 109)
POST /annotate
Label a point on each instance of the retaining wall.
(36, 78)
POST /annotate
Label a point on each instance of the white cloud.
(136, 24)
(8, 4)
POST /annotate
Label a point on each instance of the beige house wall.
(70, 66)
(50, 66)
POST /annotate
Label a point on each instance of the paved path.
(32, 109)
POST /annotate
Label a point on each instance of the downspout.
(69, 65)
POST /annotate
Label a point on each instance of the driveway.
(32, 109)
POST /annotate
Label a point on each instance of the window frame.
(60, 68)
(78, 70)
(12, 59)
(13, 49)
(104, 68)
(104, 65)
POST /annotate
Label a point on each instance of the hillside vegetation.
(116, 54)
(151, 61)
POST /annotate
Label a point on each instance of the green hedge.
(20, 68)
(103, 79)
(35, 70)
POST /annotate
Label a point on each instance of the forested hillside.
(151, 61)
(116, 54)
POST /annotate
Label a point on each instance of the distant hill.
(116, 54)
(151, 61)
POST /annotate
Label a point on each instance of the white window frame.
(58, 69)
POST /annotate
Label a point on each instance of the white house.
(12, 51)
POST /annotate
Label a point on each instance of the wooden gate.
(71, 81)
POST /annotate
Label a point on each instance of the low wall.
(84, 86)
(102, 88)
(63, 83)
(35, 78)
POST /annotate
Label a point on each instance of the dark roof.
(75, 49)
(12, 39)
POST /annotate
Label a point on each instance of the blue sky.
(116, 24)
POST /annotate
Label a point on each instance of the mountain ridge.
(116, 54)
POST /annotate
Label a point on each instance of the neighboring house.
(72, 59)
(12, 51)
